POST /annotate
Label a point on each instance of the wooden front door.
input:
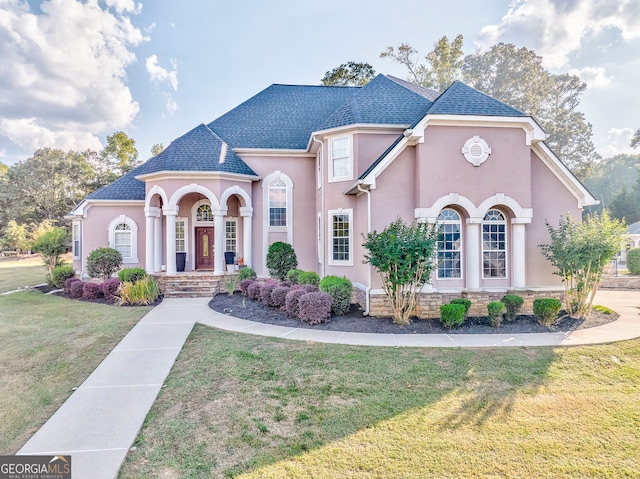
(204, 248)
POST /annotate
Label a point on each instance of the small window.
(341, 240)
(230, 236)
(340, 162)
(76, 240)
(494, 245)
(181, 236)
(277, 203)
(449, 245)
(122, 240)
(204, 213)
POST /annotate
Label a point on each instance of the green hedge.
(546, 310)
(633, 260)
(452, 315)
(340, 289)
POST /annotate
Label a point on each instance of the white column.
(472, 257)
(218, 239)
(150, 213)
(157, 237)
(519, 255)
(247, 235)
(171, 214)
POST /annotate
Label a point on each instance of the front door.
(204, 248)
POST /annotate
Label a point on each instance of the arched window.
(204, 213)
(449, 244)
(277, 203)
(494, 245)
(123, 236)
(122, 239)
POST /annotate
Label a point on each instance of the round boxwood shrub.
(464, 302)
(513, 303)
(633, 260)
(309, 277)
(340, 290)
(246, 273)
(281, 258)
(314, 308)
(293, 276)
(60, 274)
(103, 262)
(546, 310)
(452, 315)
(132, 274)
(496, 309)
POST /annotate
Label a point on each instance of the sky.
(73, 72)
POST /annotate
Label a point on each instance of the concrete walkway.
(100, 421)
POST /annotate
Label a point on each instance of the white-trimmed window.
(75, 240)
(181, 235)
(123, 236)
(204, 213)
(494, 245)
(341, 234)
(231, 235)
(340, 168)
(277, 203)
(449, 245)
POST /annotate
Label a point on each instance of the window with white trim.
(122, 240)
(181, 235)
(449, 245)
(75, 239)
(494, 245)
(204, 213)
(340, 159)
(277, 203)
(231, 235)
(341, 233)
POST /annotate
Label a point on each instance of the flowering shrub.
(110, 288)
(91, 291)
(244, 286)
(75, 291)
(265, 292)
(291, 300)
(253, 291)
(279, 296)
(68, 283)
(340, 290)
(314, 308)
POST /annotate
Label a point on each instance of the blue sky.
(73, 72)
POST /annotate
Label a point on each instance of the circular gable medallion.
(476, 150)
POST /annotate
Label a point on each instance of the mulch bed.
(245, 308)
(101, 300)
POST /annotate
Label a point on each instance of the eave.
(188, 175)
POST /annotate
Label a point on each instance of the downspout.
(322, 201)
(368, 290)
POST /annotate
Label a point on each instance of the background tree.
(625, 205)
(15, 237)
(120, 154)
(609, 176)
(635, 139)
(349, 74)
(157, 149)
(51, 245)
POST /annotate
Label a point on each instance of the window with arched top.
(204, 213)
(494, 245)
(449, 244)
(123, 236)
(277, 203)
(122, 239)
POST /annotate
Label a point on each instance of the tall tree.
(635, 139)
(609, 176)
(156, 149)
(349, 74)
(120, 155)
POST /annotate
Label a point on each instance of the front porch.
(191, 284)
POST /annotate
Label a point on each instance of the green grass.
(49, 345)
(19, 272)
(252, 407)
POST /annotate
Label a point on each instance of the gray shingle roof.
(461, 99)
(124, 188)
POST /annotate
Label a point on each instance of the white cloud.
(618, 140)
(63, 72)
(593, 77)
(556, 28)
(160, 74)
(172, 105)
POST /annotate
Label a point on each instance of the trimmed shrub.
(633, 260)
(310, 277)
(132, 274)
(310, 288)
(546, 310)
(253, 290)
(265, 292)
(314, 308)
(340, 290)
(246, 273)
(293, 276)
(103, 262)
(463, 301)
(281, 258)
(513, 303)
(142, 292)
(244, 286)
(279, 296)
(76, 289)
(60, 274)
(91, 291)
(67, 284)
(291, 300)
(496, 309)
(452, 315)
(110, 288)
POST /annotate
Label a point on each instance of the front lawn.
(252, 407)
(49, 345)
(18, 272)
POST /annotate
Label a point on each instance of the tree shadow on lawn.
(235, 403)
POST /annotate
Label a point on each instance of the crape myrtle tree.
(403, 254)
(579, 250)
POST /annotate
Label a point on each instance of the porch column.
(218, 239)
(472, 256)
(519, 254)
(157, 249)
(171, 214)
(150, 214)
(247, 239)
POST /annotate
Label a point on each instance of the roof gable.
(461, 99)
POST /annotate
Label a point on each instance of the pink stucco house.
(319, 166)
